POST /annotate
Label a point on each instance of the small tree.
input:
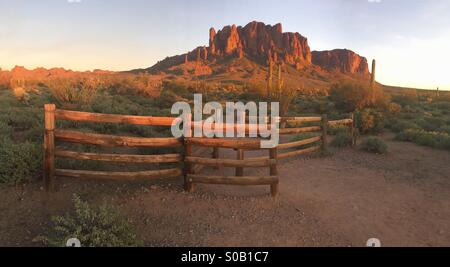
(349, 96)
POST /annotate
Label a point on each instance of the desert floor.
(402, 198)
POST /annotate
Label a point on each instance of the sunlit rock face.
(343, 60)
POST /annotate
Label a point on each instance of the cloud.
(374, 1)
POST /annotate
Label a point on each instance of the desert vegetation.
(101, 226)
(420, 117)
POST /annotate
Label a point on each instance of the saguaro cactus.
(280, 78)
(372, 78)
(270, 78)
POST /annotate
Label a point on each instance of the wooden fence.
(191, 166)
(51, 151)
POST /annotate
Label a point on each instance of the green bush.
(94, 227)
(342, 139)
(349, 96)
(400, 125)
(374, 145)
(5, 130)
(421, 137)
(19, 162)
(444, 129)
(430, 124)
(370, 121)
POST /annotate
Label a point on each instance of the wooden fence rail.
(53, 135)
(190, 165)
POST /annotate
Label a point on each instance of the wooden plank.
(340, 122)
(300, 130)
(301, 119)
(114, 141)
(261, 162)
(49, 147)
(232, 180)
(112, 118)
(121, 176)
(299, 152)
(166, 158)
(235, 143)
(254, 128)
(300, 143)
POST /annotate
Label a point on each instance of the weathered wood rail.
(53, 135)
(189, 164)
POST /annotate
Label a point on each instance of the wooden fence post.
(324, 133)
(188, 167)
(353, 132)
(49, 148)
(240, 156)
(274, 171)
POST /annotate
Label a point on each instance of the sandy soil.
(402, 198)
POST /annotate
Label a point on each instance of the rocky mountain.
(262, 43)
(343, 60)
(41, 73)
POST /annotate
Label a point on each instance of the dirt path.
(402, 198)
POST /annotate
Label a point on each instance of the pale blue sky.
(409, 38)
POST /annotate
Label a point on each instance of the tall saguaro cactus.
(280, 79)
(270, 79)
(372, 78)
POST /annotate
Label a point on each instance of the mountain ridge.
(263, 43)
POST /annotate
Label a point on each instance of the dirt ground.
(402, 198)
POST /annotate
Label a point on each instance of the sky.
(410, 39)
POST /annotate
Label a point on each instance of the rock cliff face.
(343, 60)
(260, 42)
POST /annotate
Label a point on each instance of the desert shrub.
(394, 108)
(442, 105)
(74, 90)
(444, 129)
(349, 96)
(407, 98)
(422, 137)
(374, 145)
(369, 121)
(19, 162)
(94, 227)
(167, 99)
(5, 130)
(400, 125)
(342, 139)
(430, 124)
